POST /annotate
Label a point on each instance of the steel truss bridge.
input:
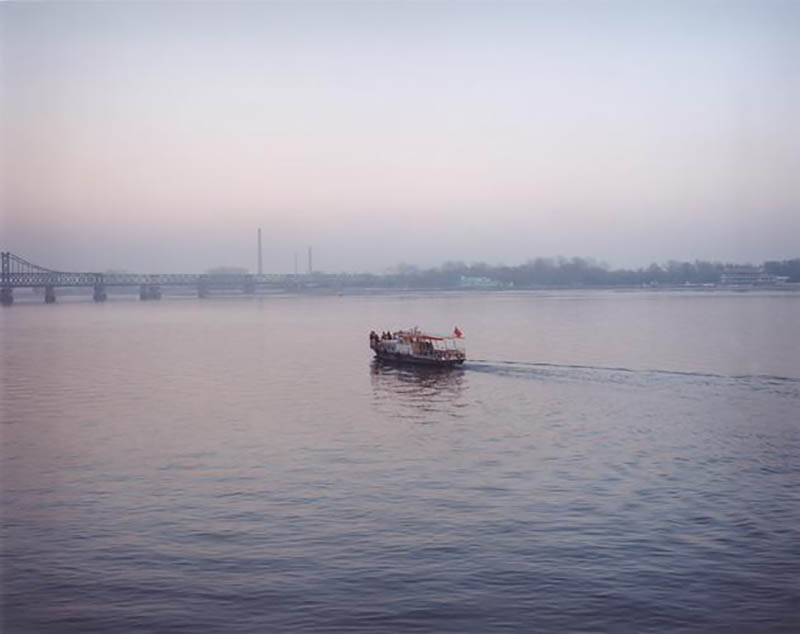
(19, 273)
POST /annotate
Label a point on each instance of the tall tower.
(260, 262)
(310, 267)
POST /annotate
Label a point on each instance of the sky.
(157, 137)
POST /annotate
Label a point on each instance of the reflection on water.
(418, 392)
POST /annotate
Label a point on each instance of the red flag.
(457, 332)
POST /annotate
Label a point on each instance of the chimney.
(260, 263)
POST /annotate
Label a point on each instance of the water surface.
(619, 462)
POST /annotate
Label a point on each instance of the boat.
(415, 346)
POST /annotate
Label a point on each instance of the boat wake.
(789, 386)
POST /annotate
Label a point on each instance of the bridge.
(19, 273)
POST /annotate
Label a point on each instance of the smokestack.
(295, 263)
(260, 267)
(310, 268)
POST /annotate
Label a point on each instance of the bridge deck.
(19, 273)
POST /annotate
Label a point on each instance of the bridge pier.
(6, 296)
(49, 295)
(99, 293)
(149, 291)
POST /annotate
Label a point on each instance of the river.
(604, 462)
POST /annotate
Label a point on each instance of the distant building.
(749, 276)
(468, 281)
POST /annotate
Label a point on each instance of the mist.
(159, 137)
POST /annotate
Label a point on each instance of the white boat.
(416, 346)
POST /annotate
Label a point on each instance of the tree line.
(561, 271)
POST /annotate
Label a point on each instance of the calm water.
(606, 462)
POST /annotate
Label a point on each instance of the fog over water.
(158, 137)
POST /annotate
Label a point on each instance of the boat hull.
(394, 357)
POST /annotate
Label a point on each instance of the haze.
(158, 137)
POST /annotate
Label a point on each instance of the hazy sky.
(158, 137)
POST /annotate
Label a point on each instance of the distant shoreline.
(79, 292)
